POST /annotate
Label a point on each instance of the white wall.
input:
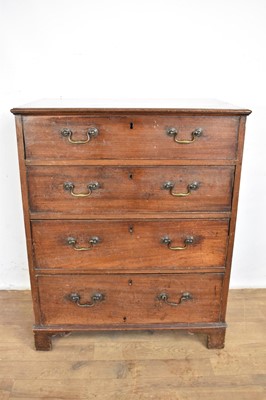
(135, 49)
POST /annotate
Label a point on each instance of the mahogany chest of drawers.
(130, 215)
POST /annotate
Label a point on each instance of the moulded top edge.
(158, 106)
(121, 111)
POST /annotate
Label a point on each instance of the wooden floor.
(135, 365)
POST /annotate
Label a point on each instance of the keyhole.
(130, 176)
(131, 125)
(125, 319)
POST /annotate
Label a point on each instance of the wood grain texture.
(116, 139)
(130, 245)
(26, 210)
(131, 157)
(135, 365)
(129, 189)
(130, 299)
(130, 216)
(131, 162)
(241, 137)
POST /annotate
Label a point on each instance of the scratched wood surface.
(130, 244)
(164, 365)
(130, 299)
(129, 189)
(143, 137)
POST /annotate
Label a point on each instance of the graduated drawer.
(130, 299)
(106, 190)
(129, 245)
(132, 137)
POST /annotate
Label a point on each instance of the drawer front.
(130, 299)
(129, 189)
(130, 245)
(134, 137)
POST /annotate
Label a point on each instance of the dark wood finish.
(43, 341)
(129, 189)
(25, 201)
(130, 299)
(116, 139)
(241, 137)
(130, 244)
(215, 338)
(131, 157)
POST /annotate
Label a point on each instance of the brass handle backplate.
(166, 240)
(190, 187)
(91, 132)
(73, 242)
(91, 186)
(194, 135)
(184, 297)
(95, 298)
